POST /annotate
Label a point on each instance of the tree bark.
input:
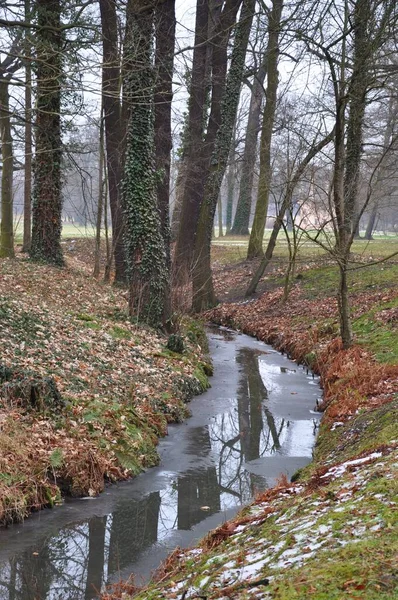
(165, 25)
(47, 195)
(370, 227)
(27, 210)
(100, 205)
(193, 165)
(179, 187)
(344, 307)
(357, 93)
(231, 180)
(6, 230)
(219, 210)
(149, 294)
(243, 207)
(257, 233)
(114, 130)
(203, 291)
(200, 151)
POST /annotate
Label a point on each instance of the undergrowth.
(84, 393)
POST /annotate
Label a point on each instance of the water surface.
(255, 423)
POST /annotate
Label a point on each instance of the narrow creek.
(254, 423)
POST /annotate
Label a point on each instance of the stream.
(255, 423)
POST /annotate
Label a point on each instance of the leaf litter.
(84, 392)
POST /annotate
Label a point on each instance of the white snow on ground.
(340, 469)
(248, 559)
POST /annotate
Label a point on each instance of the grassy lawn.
(69, 230)
(229, 250)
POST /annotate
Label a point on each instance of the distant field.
(69, 230)
(233, 249)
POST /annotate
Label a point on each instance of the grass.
(380, 337)
(351, 521)
(69, 230)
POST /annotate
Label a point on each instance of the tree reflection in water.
(240, 436)
(75, 563)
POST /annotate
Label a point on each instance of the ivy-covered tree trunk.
(6, 230)
(114, 131)
(165, 25)
(47, 190)
(357, 99)
(274, 30)
(203, 291)
(149, 297)
(243, 207)
(231, 180)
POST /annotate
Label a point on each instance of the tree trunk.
(231, 175)
(344, 307)
(108, 261)
(219, 210)
(114, 130)
(27, 209)
(370, 227)
(203, 292)
(191, 194)
(149, 297)
(200, 153)
(243, 208)
(257, 233)
(383, 167)
(97, 254)
(47, 194)
(165, 24)
(179, 189)
(6, 230)
(357, 94)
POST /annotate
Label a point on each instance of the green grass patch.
(364, 432)
(380, 337)
(119, 333)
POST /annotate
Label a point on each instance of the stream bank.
(255, 423)
(333, 532)
(84, 392)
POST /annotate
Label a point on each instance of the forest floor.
(333, 532)
(84, 393)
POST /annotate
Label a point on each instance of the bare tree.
(243, 208)
(203, 291)
(7, 68)
(114, 133)
(274, 30)
(213, 31)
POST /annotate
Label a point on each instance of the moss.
(201, 376)
(194, 330)
(119, 333)
(84, 317)
(380, 337)
(310, 359)
(342, 573)
(175, 343)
